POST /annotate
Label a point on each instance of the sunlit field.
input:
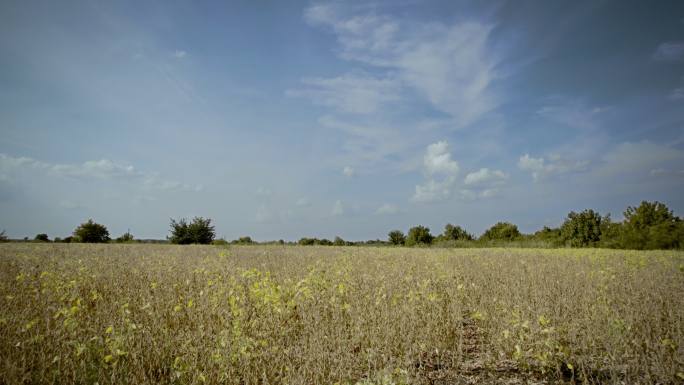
(112, 314)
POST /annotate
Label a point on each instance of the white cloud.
(485, 176)
(179, 54)
(103, 169)
(572, 113)
(669, 51)
(660, 172)
(677, 94)
(387, 209)
(348, 171)
(553, 165)
(367, 144)
(437, 160)
(440, 171)
(450, 65)
(337, 209)
(433, 191)
(351, 93)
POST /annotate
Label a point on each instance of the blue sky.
(290, 119)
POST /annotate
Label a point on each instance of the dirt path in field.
(472, 367)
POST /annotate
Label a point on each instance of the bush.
(503, 231)
(651, 226)
(3, 237)
(243, 241)
(307, 241)
(419, 235)
(91, 232)
(41, 238)
(219, 242)
(582, 229)
(199, 231)
(339, 242)
(396, 237)
(126, 237)
(455, 233)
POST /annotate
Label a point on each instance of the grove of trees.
(91, 232)
(198, 231)
(650, 225)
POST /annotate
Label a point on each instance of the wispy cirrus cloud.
(449, 65)
(571, 113)
(669, 51)
(355, 93)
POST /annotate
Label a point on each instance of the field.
(112, 314)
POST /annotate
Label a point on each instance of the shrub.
(219, 242)
(199, 231)
(582, 229)
(126, 237)
(455, 233)
(501, 231)
(419, 235)
(651, 225)
(339, 242)
(3, 237)
(91, 232)
(307, 241)
(396, 237)
(41, 238)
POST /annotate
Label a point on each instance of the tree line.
(651, 225)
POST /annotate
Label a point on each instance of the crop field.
(113, 314)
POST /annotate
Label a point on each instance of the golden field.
(113, 314)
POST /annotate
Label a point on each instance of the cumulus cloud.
(350, 93)
(387, 209)
(553, 165)
(337, 209)
(450, 65)
(485, 176)
(437, 160)
(103, 169)
(669, 51)
(440, 171)
(348, 171)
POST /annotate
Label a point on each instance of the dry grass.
(321, 315)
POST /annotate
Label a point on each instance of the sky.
(286, 119)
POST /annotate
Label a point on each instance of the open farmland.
(112, 314)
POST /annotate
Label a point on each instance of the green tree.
(503, 231)
(199, 231)
(419, 235)
(91, 232)
(396, 237)
(651, 225)
(455, 233)
(339, 241)
(126, 237)
(41, 238)
(582, 229)
(307, 241)
(3, 237)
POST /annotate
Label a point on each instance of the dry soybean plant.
(112, 314)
